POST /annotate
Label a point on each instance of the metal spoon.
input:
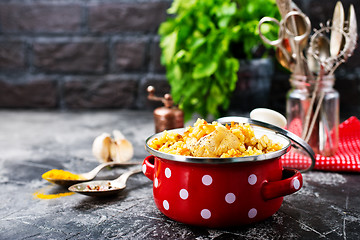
(323, 44)
(313, 64)
(104, 188)
(89, 175)
(337, 25)
(320, 54)
(352, 30)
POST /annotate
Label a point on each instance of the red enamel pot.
(224, 192)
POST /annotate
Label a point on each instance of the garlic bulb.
(117, 149)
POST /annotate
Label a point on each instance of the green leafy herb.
(201, 44)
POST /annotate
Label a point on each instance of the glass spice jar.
(312, 109)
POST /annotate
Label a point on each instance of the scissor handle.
(293, 34)
(276, 42)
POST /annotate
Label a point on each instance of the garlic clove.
(118, 135)
(121, 150)
(114, 152)
(101, 147)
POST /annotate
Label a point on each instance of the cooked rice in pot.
(214, 140)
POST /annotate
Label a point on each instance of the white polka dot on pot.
(296, 183)
(184, 194)
(206, 180)
(167, 172)
(230, 198)
(205, 213)
(252, 213)
(252, 179)
(166, 205)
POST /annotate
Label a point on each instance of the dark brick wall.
(104, 53)
(79, 54)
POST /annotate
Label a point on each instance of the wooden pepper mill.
(168, 116)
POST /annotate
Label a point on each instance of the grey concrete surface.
(33, 142)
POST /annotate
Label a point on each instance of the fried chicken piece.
(214, 144)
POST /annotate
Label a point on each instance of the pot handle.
(300, 143)
(291, 182)
(148, 167)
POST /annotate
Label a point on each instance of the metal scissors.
(294, 30)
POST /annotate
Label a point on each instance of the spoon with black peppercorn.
(104, 188)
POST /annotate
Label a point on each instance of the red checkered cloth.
(347, 158)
